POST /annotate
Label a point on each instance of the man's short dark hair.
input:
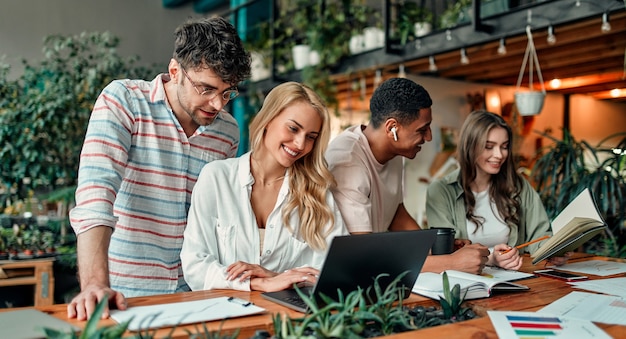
(398, 98)
(213, 43)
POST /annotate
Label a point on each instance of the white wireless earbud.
(395, 135)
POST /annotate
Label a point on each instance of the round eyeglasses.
(211, 93)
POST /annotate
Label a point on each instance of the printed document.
(162, 315)
(600, 308)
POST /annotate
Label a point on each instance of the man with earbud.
(366, 161)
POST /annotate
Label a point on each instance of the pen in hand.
(527, 243)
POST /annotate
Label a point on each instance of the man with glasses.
(145, 145)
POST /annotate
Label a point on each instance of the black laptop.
(356, 260)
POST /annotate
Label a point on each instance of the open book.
(430, 284)
(576, 224)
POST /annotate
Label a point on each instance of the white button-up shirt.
(222, 229)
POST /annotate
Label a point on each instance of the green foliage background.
(45, 111)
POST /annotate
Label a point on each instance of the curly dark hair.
(398, 98)
(212, 43)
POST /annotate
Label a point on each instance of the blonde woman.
(264, 221)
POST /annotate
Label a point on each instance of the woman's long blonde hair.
(309, 177)
(506, 186)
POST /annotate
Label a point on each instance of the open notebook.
(579, 221)
(356, 260)
(472, 286)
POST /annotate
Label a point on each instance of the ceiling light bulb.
(555, 83)
(615, 92)
(551, 37)
(502, 47)
(464, 58)
(606, 26)
(577, 3)
(432, 66)
(401, 72)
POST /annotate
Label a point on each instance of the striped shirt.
(136, 174)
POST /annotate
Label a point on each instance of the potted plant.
(27, 241)
(530, 102)
(11, 241)
(568, 166)
(300, 15)
(460, 12)
(4, 250)
(258, 42)
(352, 316)
(413, 20)
(364, 20)
(455, 14)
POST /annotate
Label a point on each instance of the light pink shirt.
(368, 193)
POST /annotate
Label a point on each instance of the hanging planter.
(529, 102)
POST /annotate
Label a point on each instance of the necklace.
(274, 180)
(266, 183)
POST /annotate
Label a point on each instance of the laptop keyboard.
(296, 301)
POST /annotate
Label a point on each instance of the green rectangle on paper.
(534, 332)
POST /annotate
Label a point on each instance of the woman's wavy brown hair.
(506, 186)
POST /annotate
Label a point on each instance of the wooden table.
(36, 272)
(543, 291)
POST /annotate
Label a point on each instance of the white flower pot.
(300, 55)
(529, 103)
(357, 44)
(374, 38)
(258, 70)
(314, 58)
(423, 28)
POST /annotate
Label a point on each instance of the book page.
(430, 284)
(490, 282)
(505, 275)
(582, 206)
(429, 281)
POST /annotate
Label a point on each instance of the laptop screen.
(355, 261)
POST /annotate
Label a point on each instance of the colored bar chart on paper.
(534, 327)
(531, 325)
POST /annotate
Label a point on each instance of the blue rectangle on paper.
(541, 319)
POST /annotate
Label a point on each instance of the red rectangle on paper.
(536, 325)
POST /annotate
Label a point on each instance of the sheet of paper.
(30, 323)
(600, 308)
(596, 267)
(155, 316)
(612, 286)
(509, 324)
